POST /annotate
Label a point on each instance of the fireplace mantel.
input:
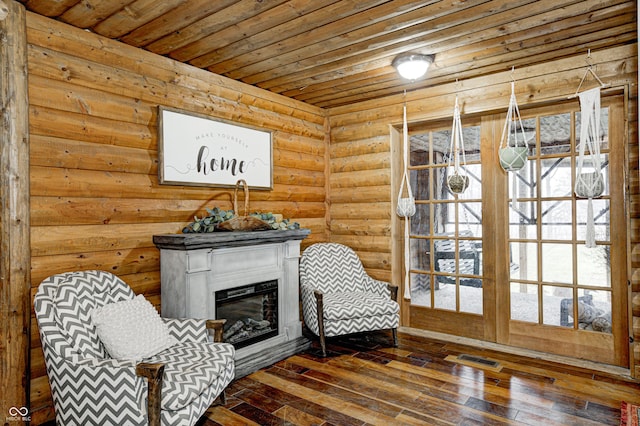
(226, 239)
(194, 266)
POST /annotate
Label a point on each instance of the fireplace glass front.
(251, 312)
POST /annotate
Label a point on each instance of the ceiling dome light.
(412, 65)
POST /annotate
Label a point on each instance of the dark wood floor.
(422, 382)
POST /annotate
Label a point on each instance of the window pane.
(524, 261)
(444, 218)
(524, 302)
(445, 297)
(524, 181)
(470, 257)
(470, 219)
(420, 290)
(420, 254)
(419, 184)
(557, 220)
(445, 260)
(594, 266)
(604, 127)
(557, 261)
(474, 191)
(601, 216)
(471, 138)
(530, 131)
(471, 299)
(552, 302)
(420, 220)
(441, 142)
(523, 220)
(441, 190)
(555, 134)
(419, 150)
(556, 177)
(594, 310)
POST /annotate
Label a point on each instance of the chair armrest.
(153, 372)
(393, 289)
(382, 288)
(218, 327)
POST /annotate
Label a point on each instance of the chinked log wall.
(95, 197)
(362, 173)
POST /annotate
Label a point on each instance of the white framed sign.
(198, 150)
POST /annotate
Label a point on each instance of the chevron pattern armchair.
(173, 387)
(339, 297)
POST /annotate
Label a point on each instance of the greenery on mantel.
(217, 215)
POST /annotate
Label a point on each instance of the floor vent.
(476, 361)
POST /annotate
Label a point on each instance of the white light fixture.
(412, 65)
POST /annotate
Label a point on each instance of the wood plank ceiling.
(336, 52)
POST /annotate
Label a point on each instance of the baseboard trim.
(605, 368)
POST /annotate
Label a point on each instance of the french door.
(505, 261)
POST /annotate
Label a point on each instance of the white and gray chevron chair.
(339, 297)
(173, 387)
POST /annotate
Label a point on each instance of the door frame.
(488, 328)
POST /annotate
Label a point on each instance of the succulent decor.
(217, 215)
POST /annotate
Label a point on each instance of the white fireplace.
(197, 267)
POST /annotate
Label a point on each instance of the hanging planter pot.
(406, 206)
(589, 179)
(589, 184)
(512, 156)
(457, 181)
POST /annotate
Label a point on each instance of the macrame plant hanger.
(512, 156)
(406, 205)
(457, 182)
(589, 180)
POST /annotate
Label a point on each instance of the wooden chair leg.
(394, 331)
(221, 399)
(153, 373)
(320, 312)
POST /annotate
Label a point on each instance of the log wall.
(365, 152)
(95, 198)
(14, 210)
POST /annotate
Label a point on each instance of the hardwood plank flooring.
(363, 381)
